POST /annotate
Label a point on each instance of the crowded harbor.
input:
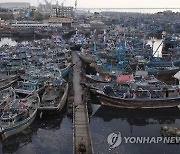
(72, 80)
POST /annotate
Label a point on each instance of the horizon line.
(124, 8)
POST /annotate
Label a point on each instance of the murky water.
(130, 123)
(13, 41)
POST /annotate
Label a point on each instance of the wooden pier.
(81, 132)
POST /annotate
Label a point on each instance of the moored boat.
(168, 98)
(147, 92)
(19, 115)
(55, 96)
(7, 97)
(8, 81)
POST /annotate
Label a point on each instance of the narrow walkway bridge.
(82, 139)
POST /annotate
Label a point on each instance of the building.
(47, 7)
(15, 5)
(63, 11)
(59, 22)
(55, 10)
(52, 22)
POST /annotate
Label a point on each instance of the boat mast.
(152, 47)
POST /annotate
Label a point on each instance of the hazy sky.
(112, 3)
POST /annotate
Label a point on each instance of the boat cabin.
(29, 85)
(8, 118)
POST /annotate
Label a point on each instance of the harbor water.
(7, 41)
(13, 41)
(107, 120)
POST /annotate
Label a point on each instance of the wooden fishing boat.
(7, 81)
(160, 71)
(148, 92)
(55, 96)
(7, 97)
(139, 98)
(19, 115)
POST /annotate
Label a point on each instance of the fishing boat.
(7, 97)
(87, 58)
(7, 81)
(55, 96)
(143, 93)
(28, 87)
(140, 98)
(162, 70)
(33, 80)
(19, 115)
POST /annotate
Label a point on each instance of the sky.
(111, 3)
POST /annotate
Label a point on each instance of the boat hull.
(18, 128)
(164, 72)
(87, 60)
(140, 103)
(66, 71)
(164, 63)
(11, 81)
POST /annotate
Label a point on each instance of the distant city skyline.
(110, 3)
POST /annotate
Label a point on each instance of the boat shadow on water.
(14, 143)
(138, 117)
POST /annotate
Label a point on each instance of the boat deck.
(51, 97)
(82, 139)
